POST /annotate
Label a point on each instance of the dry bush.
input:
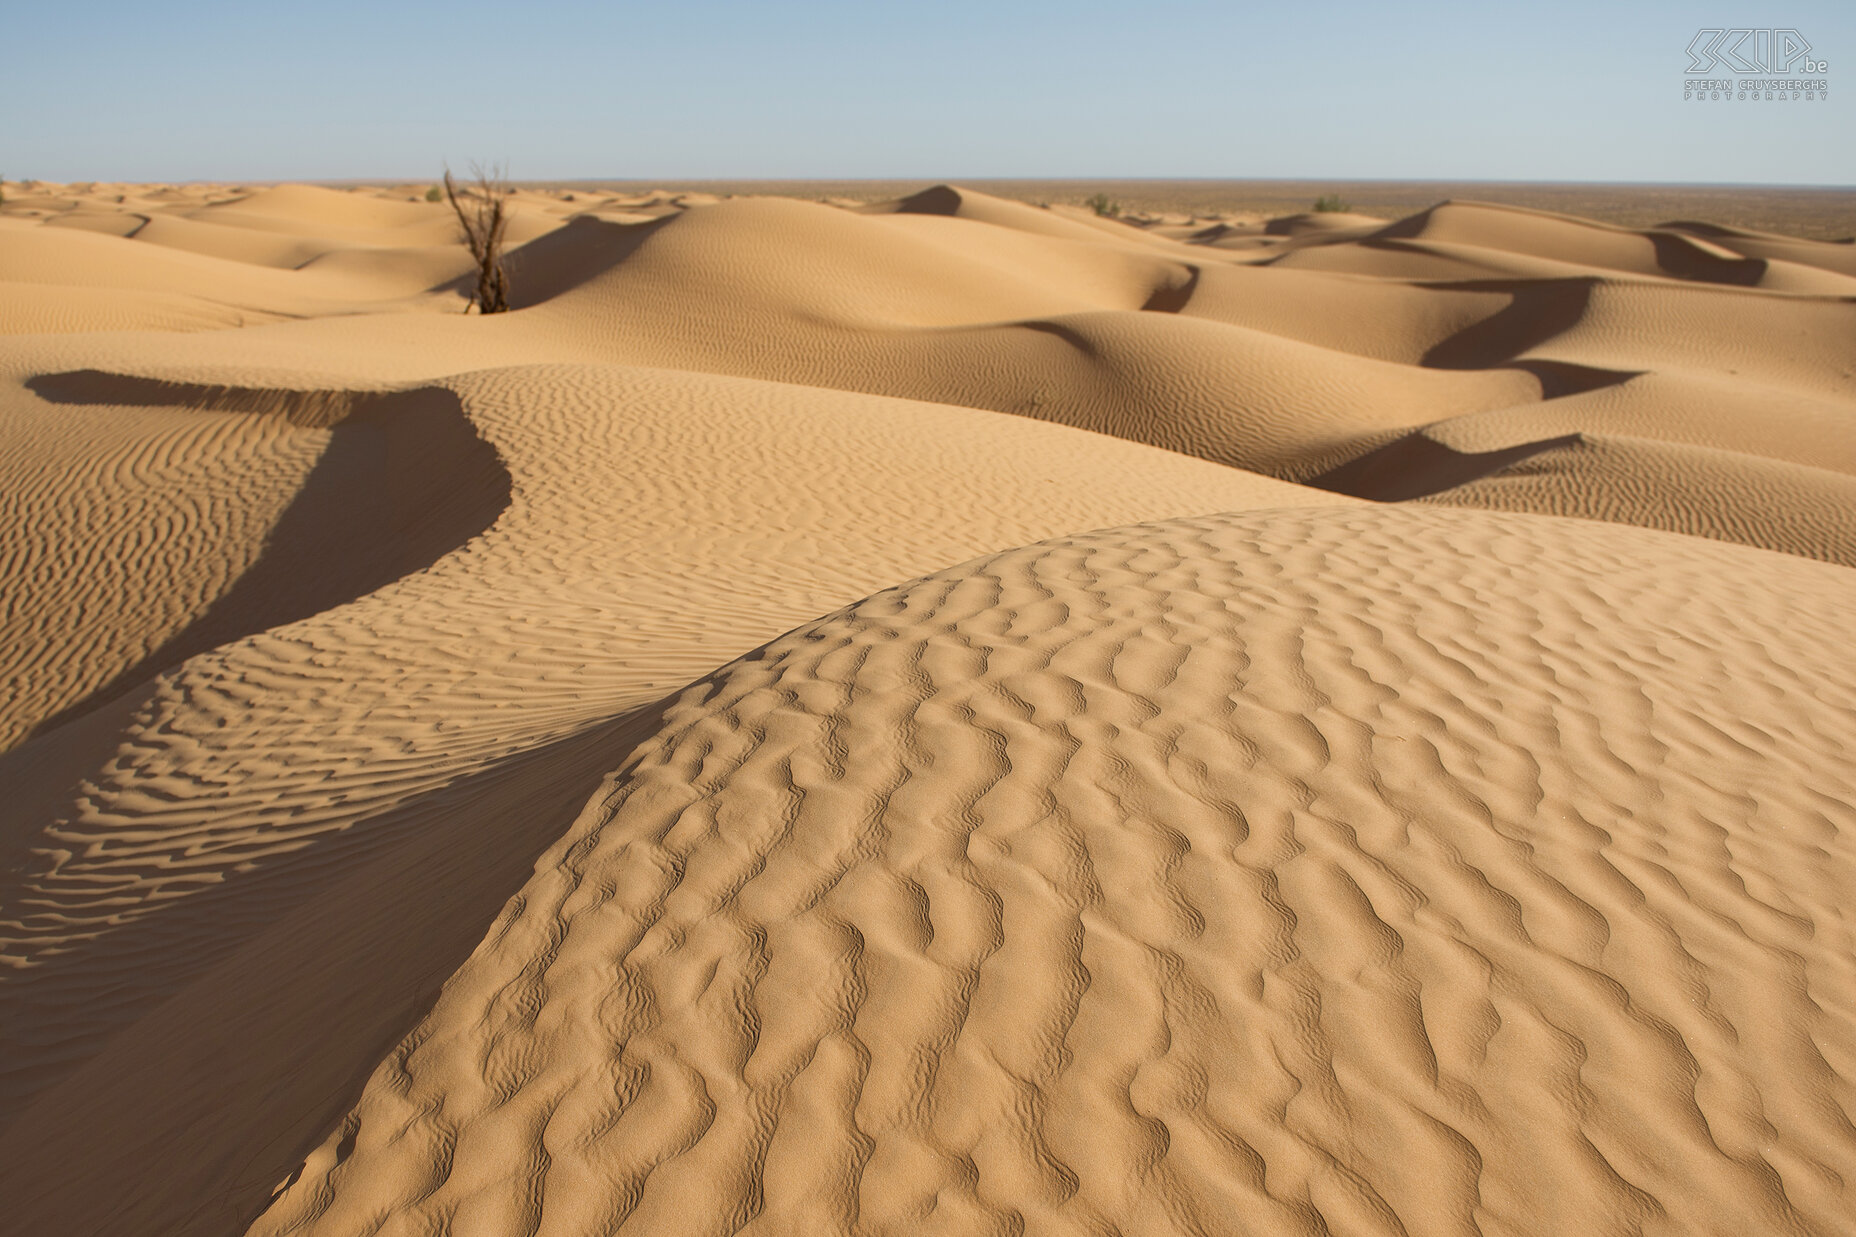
(483, 213)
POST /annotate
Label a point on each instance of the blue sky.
(873, 88)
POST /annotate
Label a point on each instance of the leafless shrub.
(483, 214)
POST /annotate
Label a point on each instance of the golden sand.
(927, 716)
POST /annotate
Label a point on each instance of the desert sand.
(938, 715)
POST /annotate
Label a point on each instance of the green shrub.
(434, 194)
(1102, 206)
(1330, 203)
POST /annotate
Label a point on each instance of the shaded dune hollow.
(1417, 466)
(1337, 870)
(402, 480)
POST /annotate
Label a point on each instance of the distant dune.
(925, 713)
(1818, 212)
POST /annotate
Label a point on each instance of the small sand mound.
(1677, 487)
(308, 206)
(1677, 254)
(1018, 216)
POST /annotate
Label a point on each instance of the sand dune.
(1684, 489)
(1535, 235)
(1345, 842)
(648, 535)
(1259, 367)
(1366, 872)
(1754, 244)
(1076, 225)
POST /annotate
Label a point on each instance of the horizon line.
(372, 181)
